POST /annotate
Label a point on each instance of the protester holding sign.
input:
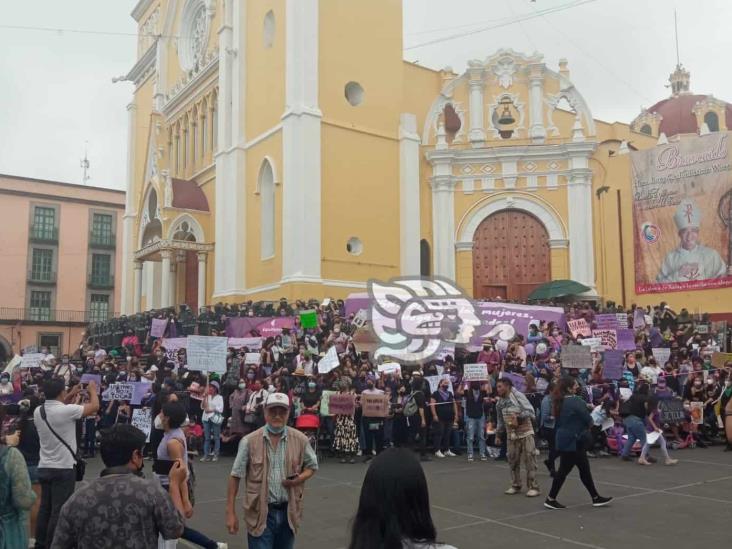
(444, 418)
(476, 399)
(345, 438)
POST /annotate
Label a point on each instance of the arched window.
(267, 205)
(646, 129)
(712, 121)
(424, 258)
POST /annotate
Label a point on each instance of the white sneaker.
(512, 490)
(450, 454)
(439, 454)
(359, 453)
(532, 493)
(222, 545)
(470, 458)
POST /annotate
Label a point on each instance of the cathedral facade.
(282, 148)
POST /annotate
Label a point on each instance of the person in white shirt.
(651, 371)
(213, 416)
(57, 459)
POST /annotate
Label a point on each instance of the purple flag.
(613, 364)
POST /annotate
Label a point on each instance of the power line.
(83, 31)
(519, 19)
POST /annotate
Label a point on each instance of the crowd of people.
(529, 400)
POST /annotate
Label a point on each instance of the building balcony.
(40, 233)
(102, 240)
(100, 281)
(12, 315)
(41, 277)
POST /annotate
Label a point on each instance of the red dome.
(678, 114)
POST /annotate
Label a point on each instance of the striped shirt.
(276, 465)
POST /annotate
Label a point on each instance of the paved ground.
(670, 507)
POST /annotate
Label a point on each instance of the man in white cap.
(275, 461)
(690, 261)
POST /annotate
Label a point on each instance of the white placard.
(121, 391)
(661, 354)
(594, 343)
(360, 318)
(207, 353)
(32, 360)
(329, 362)
(142, 419)
(326, 302)
(475, 372)
(389, 368)
(252, 358)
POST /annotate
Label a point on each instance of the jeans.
(374, 437)
(662, 443)
(636, 430)
(471, 425)
(277, 534)
(90, 434)
(567, 461)
(211, 429)
(194, 536)
(57, 486)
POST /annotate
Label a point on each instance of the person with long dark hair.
(573, 422)
(394, 507)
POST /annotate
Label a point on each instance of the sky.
(58, 97)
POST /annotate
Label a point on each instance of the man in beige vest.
(274, 462)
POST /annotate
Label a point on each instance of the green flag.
(309, 319)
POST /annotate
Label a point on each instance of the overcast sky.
(57, 92)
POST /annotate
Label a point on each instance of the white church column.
(137, 306)
(537, 131)
(165, 278)
(301, 162)
(128, 219)
(477, 132)
(443, 218)
(230, 232)
(409, 224)
(202, 279)
(173, 281)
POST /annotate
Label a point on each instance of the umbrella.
(557, 288)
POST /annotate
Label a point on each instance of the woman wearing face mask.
(6, 388)
(213, 416)
(444, 419)
(238, 403)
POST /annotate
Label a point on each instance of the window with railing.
(52, 342)
(99, 308)
(101, 233)
(42, 265)
(101, 272)
(40, 305)
(44, 223)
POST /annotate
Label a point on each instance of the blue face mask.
(274, 430)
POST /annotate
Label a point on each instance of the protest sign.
(325, 397)
(389, 368)
(120, 391)
(594, 343)
(142, 419)
(30, 349)
(576, 356)
(697, 412)
(519, 381)
(342, 404)
(661, 354)
(434, 382)
(32, 360)
(579, 327)
(309, 319)
(207, 353)
(157, 329)
(329, 362)
(252, 358)
(626, 339)
(639, 319)
(475, 372)
(702, 328)
(86, 378)
(608, 338)
(672, 410)
(606, 321)
(613, 364)
(374, 405)
(172, 346)
(720, 359)
(251, 343)
(622, 320)
(360, 318)
(140, 391)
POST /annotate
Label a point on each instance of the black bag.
(79, 462)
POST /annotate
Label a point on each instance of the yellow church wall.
(464, 271)
(265, 87)
(143, 110)
(348, 51)
(360, 198)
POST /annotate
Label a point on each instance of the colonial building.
(284, 148)
(61, 262)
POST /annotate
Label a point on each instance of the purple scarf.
(444, 394)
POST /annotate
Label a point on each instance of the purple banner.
(273, 326)
(626, 340)
(505, 320)
(241, 326)
(356, 302)
(613, 364)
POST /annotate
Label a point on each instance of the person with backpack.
(417, 418)
(475, 400)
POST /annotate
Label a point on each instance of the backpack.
(411, 407)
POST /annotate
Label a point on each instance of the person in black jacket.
(475, 401)
(573, 422)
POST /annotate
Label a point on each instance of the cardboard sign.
(720, 359)
(519, 381)
(606, 321)
(389, 368)
(576, 356)
(32, 360)
(608, 338)
(157, 329)
(309, 319)
(475, 372)
(207, 353)
(579, 327)
(639, 319)
(594, 343)
(661, 354)
(697, 412)
(671, 410)
(374, 405)
(329, 362)
(252, 358)
(343, 404)
(622, 320)
(626, 339)
(142, 419)
(613, 364)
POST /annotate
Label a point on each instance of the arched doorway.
(510, 256)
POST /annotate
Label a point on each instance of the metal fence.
(41, 314)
